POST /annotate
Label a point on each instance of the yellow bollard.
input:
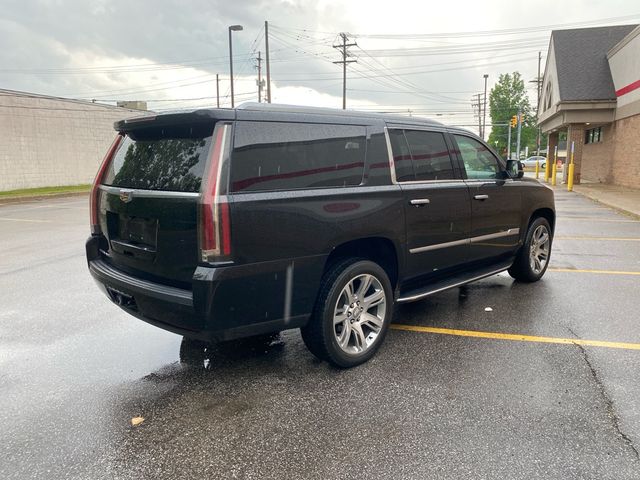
(547, 171)
(570, 178)
(547, 165)
(554, 174)
(571, 168)
(537, 169)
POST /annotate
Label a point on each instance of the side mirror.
(515, 168)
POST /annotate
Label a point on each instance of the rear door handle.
(480, 197)
(419, 201)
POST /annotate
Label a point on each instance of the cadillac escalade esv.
(224, 223)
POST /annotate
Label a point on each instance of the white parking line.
(25, 220)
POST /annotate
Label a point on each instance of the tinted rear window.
(287, 156)
(167, 158)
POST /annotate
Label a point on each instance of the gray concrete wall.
(52, 142)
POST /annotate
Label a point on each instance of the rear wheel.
(533, 258)
(352, 313)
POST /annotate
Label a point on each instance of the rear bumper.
(106, 274)
(224, 303)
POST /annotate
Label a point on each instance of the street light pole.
(232, 28)
(484, 110)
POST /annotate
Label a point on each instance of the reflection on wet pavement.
(210, 355)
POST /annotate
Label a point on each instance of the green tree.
(505, 98)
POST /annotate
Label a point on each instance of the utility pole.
(259, 82)
(519, 132)
(484, 110)
(477, 103)
(538, 82)
(344, 62)
(217, 90)
(538, 106)
(266, 45)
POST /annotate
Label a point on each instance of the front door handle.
(419, 201)
(480, 197)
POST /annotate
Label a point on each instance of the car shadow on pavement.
(205, 355)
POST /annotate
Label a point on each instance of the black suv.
(219, 224)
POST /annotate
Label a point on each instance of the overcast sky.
(420, 57)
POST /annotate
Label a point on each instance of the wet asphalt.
(74, 371)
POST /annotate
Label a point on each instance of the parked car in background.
(220, 224)
(531, 161)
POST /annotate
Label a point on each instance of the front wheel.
(533, 258)
(352, 313)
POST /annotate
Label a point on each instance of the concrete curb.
(590, 194)
(31, 198)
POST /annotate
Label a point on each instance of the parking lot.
(492, 380)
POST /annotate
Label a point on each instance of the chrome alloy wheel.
(539, 249)
(359, 314)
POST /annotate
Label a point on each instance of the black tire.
(544, 165)
(522, 269)
(319, 335)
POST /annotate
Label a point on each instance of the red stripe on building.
(629, 88)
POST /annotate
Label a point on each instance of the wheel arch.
(546, 213)
(380, 250)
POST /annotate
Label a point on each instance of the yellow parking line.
(612, 239)
(565, 209)
(25, 220)
(595, 219)
(604, 272)
(516, 337)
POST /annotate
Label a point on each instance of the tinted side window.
(478, 161)
(430, 155)
(286, 156)
(401, 156)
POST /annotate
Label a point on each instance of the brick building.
(591, 91)
(48, 141)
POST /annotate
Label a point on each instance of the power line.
(510, 31)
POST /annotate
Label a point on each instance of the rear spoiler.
(196, 116)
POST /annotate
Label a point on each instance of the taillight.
(214, 222)
(94, 200)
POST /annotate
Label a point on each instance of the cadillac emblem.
(126, 195)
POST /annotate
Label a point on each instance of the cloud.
(174, 49)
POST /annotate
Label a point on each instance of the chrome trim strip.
(437, 246)
(454, 285)
(507, 233)
(488, 181)
(415, 182)
(148, 193)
